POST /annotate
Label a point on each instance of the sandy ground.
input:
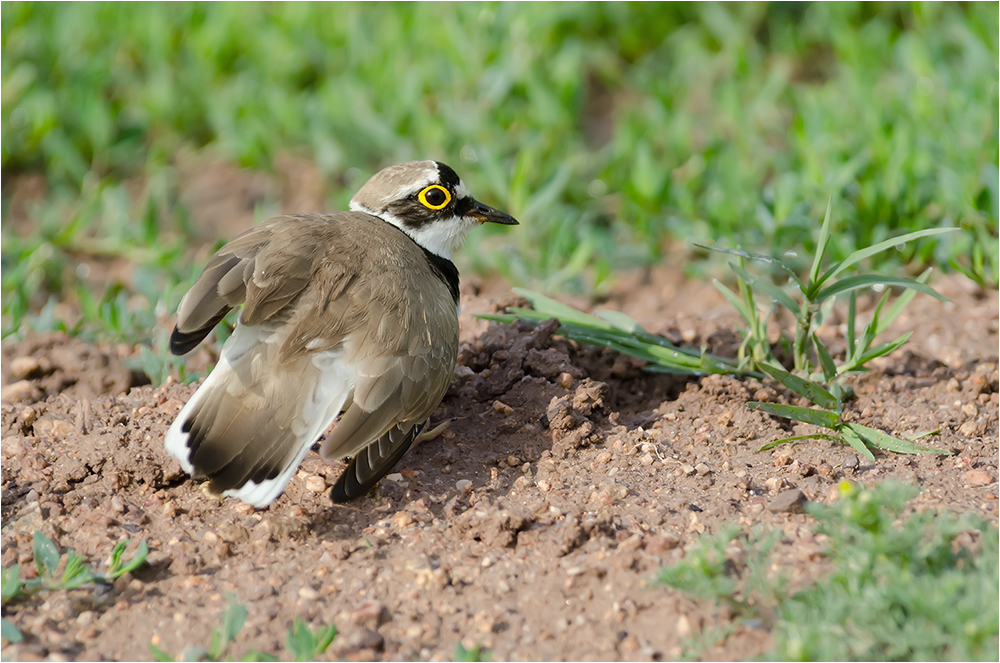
(534, 525)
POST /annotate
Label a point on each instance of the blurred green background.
(617, 133)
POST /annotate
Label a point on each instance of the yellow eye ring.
(435, 196)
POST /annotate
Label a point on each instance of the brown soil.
(534, 525)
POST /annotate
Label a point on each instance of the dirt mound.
(532, 525)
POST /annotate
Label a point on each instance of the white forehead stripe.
(429, 176)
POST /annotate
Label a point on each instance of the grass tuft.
(922, 586)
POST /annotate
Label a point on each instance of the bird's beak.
(485, 213)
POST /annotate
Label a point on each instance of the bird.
(349, 316)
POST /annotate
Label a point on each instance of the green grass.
(610, 130)
(55, 572)
(301, 642)
(816, 376)
(922, 586)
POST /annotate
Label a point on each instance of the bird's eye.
(435, 196)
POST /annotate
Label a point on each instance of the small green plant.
(9, 632)
(817, 291)
(301, 642)
(75, 571)
(474, 655)
(916, 587)
(815, 376)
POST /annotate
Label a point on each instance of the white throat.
(440, 238)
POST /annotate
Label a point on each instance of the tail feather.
(251, 423)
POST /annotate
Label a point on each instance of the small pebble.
(502, 407)
(464, 486)
(850, 462)
(969, 429)
(790, 501)
(18, 391)
(22, 367)
(27, 416)
(978, 478)
(315, 484)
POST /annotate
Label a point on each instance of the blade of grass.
(900, 303)
(868, 280)
(758, 257)
(856, 442)
(885, 441)
(766, 288)
(879, 350)
(852, 317)
(805, 388)
(737, 303)
(821, 244)
(923, 433)
(9, 632)
(806, 415)
(46, 555)
(555, 309)
(861, 254)
(825, 360)
(796, 438)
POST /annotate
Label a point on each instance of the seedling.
(75, 571)
(816, 376)
(301, 642)
(474, 655)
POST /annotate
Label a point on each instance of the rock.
(22, 367)
(850, 462)
(370, 615)
(978, 478)
(357, 639)
(502, 407)
(464, 486)
(683, 626)
(790, 501)
(773, 484)
(702, 469)
(19, 391)
(657, 543)
(54, 429)
(315, 484)
(969, 429)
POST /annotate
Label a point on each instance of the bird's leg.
(210, 495)
(431, 434)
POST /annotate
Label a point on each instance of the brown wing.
(266, 268)
(398, 329)
(390, 319)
